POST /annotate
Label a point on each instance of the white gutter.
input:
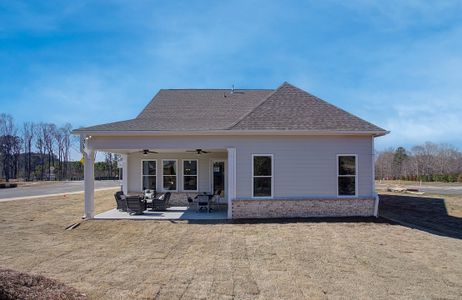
(224, 132)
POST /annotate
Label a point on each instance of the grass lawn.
(170, 260)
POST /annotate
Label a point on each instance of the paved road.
(443, 190)
(53, 188)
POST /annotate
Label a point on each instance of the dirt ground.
(319, 259)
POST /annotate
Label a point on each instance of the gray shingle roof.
(286, 108)
(291, 108)
(191, 109)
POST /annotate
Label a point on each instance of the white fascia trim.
(227, 132)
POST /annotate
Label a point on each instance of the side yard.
(435, 214)
(326, 258)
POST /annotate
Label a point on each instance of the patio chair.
(121, 203)
(218, 201)
(203, 202)
(161, 203)
(135, 205)
(190, 200)
(148, 196)
(192, 203)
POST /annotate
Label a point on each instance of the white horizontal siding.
(304, 166)
(204, 166)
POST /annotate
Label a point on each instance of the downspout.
(376, 196)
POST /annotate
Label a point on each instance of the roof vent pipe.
(232, 91)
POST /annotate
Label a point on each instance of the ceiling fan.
(147, 151)
(198, 151)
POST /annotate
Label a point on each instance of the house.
(274, 153)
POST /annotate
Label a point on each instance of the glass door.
(218, 176)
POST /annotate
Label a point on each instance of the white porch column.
(125, 174)
(231, 179)
(89, 182)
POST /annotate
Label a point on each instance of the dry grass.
(171, 260)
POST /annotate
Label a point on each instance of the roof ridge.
(191, 89)
(258, 105)
(217, 89)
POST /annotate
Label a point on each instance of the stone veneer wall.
(180, 199)
(249, 209)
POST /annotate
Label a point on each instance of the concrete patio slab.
(172, 213)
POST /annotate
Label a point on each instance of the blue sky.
(395, 63)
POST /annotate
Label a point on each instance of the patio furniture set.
(149, 200)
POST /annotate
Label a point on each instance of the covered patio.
(182, 172)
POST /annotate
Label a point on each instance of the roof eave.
(375, 133)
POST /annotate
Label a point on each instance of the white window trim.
(356, 176)
(142, 175)
(272, 176)
(176, 175)
(197, 174)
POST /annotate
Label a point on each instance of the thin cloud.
(395, 63)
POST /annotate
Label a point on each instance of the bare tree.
(384, 164)
(17, 146)
(109, 162)
(48, 132)
(40, 145)
(427, 162)
(8, 146)
(67, 142)
(28, 137)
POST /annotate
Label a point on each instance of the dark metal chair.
(190, 200)
(121, 203)
(161, 203)
(203, 202)
(135, 205)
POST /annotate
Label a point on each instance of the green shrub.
(452, 178)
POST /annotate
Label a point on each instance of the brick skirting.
(302, 208)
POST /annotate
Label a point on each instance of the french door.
(218, 176)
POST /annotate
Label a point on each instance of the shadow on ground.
(427, 214)
(284, 220)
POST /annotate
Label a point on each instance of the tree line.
(42, 151)
(427, 162)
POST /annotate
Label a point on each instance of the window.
(262, 173)
(190, 175)
(346, 175)
(169, 175)
(148, 173)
